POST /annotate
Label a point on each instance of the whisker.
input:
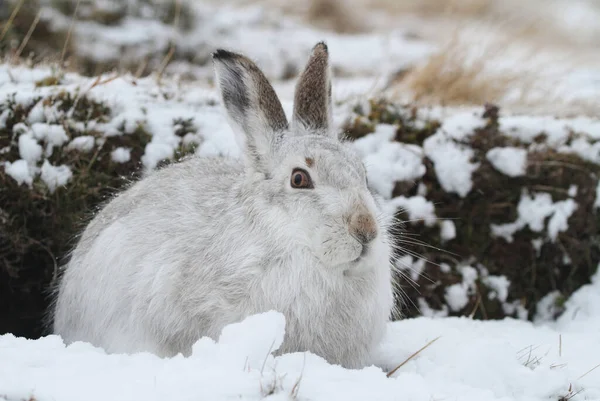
(427, 246)
(412, 269)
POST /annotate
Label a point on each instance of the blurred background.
(394, 61)
(530, 53)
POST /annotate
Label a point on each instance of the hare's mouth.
(363, 253)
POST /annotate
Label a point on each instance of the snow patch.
(447, 230)
(54, 135)
(547, 307)
(19, 171)
(121, 155)
(452, 163)
(462, 125)
(532, 212)
(510, 161)
(29, 149)
(419, 209)
(55, 176)
(155, 152)
(83, 143)
(456, 296)
(4, 117)
(388, 162)
(498, 285)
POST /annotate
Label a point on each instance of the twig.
(28, 36)
(262, 368)
(412, 356)
(472, 314)
(64, 51)
(177, 13)
(97, 82)
(141, 68)
(296, 388)
(560, 345)
(589, 371)
(13, 15)
(165, 62)
(50, 253)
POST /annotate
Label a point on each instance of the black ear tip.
(322, 46)
(222, 54)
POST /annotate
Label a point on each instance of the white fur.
(208, 241)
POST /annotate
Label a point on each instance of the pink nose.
(363, 227)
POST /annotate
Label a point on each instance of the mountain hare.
(208, 241)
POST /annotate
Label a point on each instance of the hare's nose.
(363, 227)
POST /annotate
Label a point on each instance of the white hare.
(206, 242)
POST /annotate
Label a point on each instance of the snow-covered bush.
(504, 215)
(63, 153)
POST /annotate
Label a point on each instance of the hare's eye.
(301, 179)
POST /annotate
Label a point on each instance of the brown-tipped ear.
(312, 100)
(253, 108)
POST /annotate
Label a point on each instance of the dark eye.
(300, 179)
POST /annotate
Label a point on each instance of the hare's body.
(209, 241)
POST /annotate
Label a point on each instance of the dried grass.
(458, 74)
(334, 15)
(479, 64)
(434, 8)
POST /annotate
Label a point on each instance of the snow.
(447, 230)
(418, 208)
(155, 152)
(452, 163)
(19, 171)
(533, 212)
(388, 162)
(54, 135)
(83, 143)
(559, 220)
(510, 161)
(557, 133)
(461, 125)
(3, 117)
(121, 155)
(29, 149)
(469, 274)
(498, 285)
(456, 296)
(470, 360)
(572, 191)
(55, 176)
(547, 307)
(274, 41)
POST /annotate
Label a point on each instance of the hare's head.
(312, 184)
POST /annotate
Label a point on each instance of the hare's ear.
(312, 100)
(254, 110)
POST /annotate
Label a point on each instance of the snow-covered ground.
(471, 360)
